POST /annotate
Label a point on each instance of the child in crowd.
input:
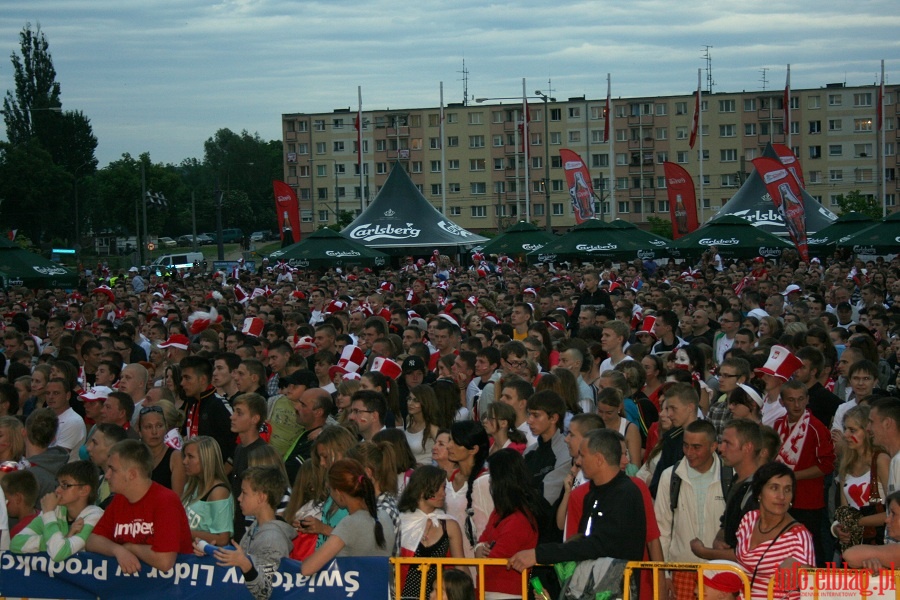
(21, 490)
(268, 540)
(67, 516)
(249, 412)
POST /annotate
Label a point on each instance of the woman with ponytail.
(365, 531)
(469, 486)
(380, 465)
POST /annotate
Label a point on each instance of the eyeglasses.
(516, 363)
(727, 375)
(150, 409)
(65, 486)
(356, 411)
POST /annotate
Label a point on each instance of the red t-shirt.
(512, 534)
(157, 520)
(22, 524)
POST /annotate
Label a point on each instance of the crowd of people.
(738, 411)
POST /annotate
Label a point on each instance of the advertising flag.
(785, 192)
(787, 158)
(581, 191)
(682, 200)
(787, 103)
(695, 123)
(287, 207)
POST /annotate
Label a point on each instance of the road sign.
(151, 246)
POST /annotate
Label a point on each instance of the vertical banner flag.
(580, 189)
(682, 200)
(287, 207)
(787, 158)
(695, 123)
(606, 110)
(785, 192)
(523, 126)
(787, 105)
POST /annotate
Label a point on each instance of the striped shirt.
(794, 543)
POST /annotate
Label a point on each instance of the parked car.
(260, 236)
(166, 242)
(202, 240)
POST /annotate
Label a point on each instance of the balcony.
(402, 131)
(640, 120)
(402, 154)
(647, 142)
(639, 194)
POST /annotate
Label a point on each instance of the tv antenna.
(709, 78)
(764, 80)
(465, 80)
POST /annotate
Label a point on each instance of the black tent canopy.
(401, 221)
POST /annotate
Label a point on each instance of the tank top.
(162, 473)
(413, 583)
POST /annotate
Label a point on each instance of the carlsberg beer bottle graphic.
(681, 220)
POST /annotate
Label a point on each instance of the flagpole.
(525, 151)
(359, 142)
(787, 107)
(443, 157)
(881, 175)
(700, 137)
(612, 151)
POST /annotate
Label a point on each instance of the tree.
(31, 109)
(661, 227)
(855, 201)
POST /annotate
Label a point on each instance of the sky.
(162, 76)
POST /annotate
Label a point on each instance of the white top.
(422, 456)
(4, 523)
(771, 412)
(482, 504)
(72, 431)
(607, 365)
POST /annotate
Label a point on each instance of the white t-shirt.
(72, 431)
(4, 523)
(607, 365)
(771, 412)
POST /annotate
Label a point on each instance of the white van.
(185, 260)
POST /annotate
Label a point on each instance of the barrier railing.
(656, 567)
(424, 564)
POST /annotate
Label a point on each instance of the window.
(681, 108)
(749, 104)
(320, 147)
(323, 194)
(365, 169)
(890, 200)
(476, 164)
(303, 148)
(833, 199)
(321, 170)
(704, 130)
(476, 141)
(558, 208)
(304, 170)
(499, 164)
(835, 150)
(835, 100)
(323, 216)
(498, 116)
(574, 137)
(599, 160)
(537, 210)
(597, 136)
(728, 155)
(862, 150)
(662, 133)
(453, 188)
(889, 149)
(453, 164)
(337, 124)
(814, 176)
(815, 127)
(475, 118)
(555, 138)
(556, 162)
(621, 110)
(319, 125)
(814, 102)
(661, 157)
(726, 106)
(834, 124)
(342, 192)
(381, 168)
(434, 143)
(435, 166)
(621, 183)
(729, 180)
(452, 141)
(862, 125)
(815, 151)
(621, 159)
(727, 130)
(574, 112)
(558, 185)
(380, 145)
(835, 175)
(704, 105)
(862, 99)
(662, 206)
(479, 212)
(339, 146)
(499, 187)
(455, 211)
(434, 120)
(795, 127)
(750, 153)
(498, 141)
(302, 126)
(661, 110)
(682, 157)
(556, 114)
(478, 187)
(621, 135)
(623, 207)
(536, 139)
(681, 133)
(537, 162)
(661, 182)
(705, 155)
(340, 169)
(537, 186)
(749, 128)
(864, 175)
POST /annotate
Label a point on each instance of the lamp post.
(546, 99)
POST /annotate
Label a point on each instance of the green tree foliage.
(29, 179)
(857, 202)
(661, 227)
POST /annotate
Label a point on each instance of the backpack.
(726, 479)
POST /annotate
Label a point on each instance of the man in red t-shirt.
(145, 522)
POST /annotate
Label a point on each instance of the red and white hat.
(106, 291)
(200, 320)
(305, 343)
(298, 295)
(530, 290)
(335, 306)
(386, 367)
(386, 286)
(791, 289)
(178, 341)
(253, 326)
(100, 392)
(352, 358)
(647, 326)
(781, 363)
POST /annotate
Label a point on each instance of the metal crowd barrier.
(656, 567)
(423, 564)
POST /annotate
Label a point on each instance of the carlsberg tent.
(401, 221)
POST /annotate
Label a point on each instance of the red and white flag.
(695, 122)
(581, 191)
(606, 110)
(287, 208)
(682, 199)
(787, 102)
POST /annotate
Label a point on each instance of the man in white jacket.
(699, 502)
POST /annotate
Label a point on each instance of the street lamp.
(546, 99)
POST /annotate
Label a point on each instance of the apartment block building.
(833, 133)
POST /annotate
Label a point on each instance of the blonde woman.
(207, 495)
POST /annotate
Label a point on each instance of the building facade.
(833, 133)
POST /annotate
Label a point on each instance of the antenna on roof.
(709, 78)
(465, 80)
(764, 80)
